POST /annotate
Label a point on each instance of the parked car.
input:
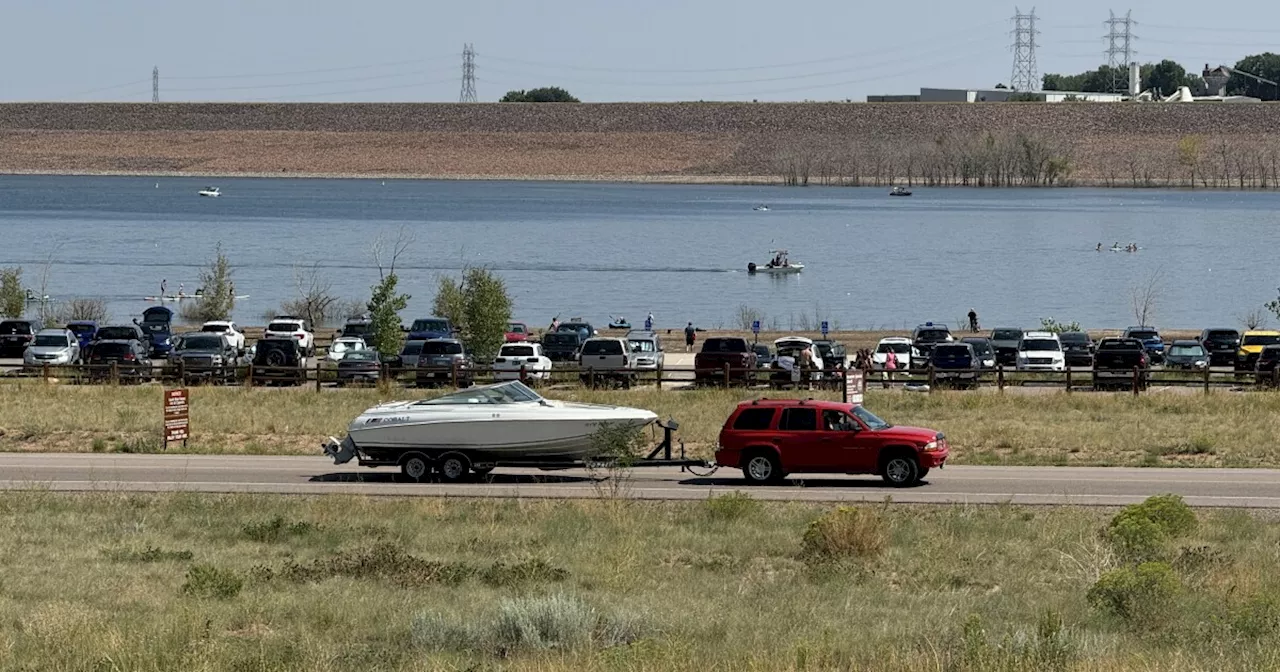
(121, 332)
(983, 351)
(357, 327)
(229, 330)
(927, 335)
(439, 360)
(833, 354)
(16, 335)
(1077, 348)
(579, 325)
(409, 354)
(429, 328)
(205, 355)
(359, 366)
(1151, 341)
(790, 349)
(1265, 367)
(719, 352)
(954, 362)
(1251, 345)
(1005, 340)
(1221, 344)
(290, 326)
(131, 357)
(52, 347)
(517, 332)
(900, 347)
(344, 344)
(157, 326)
(646, 350)
(562, 346)
(85, 330)
(1040, 351)
(1186, 354)
(515, 357)
(1115, 360)
(764, 356)
(280, 359)
(769, 439)
(606, 359)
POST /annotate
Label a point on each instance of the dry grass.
(1157, 429)
(104, 581)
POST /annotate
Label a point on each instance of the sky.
(600, 50)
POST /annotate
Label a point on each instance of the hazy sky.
(603, 50)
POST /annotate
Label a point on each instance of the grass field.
(221, 582)
(1165, 429)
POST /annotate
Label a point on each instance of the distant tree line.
(546, 94)
(1166, 76)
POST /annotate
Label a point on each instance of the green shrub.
(1136, 594)
(531, 623)
(210, 581)
(847, 532)
(1141, 532)
(1259, 616)
(277, 529)
(149, 554)
(1174, 517)
(731, 506)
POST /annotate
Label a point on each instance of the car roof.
(896, 339)
(932, 325)
(1143, 328)
(1262, 332)
(1230, 329)
(793, 339)
(1273, 346)
(605, 338)
(1039, 334)
(89, 322)
(53, 330)
(790, 403)
(117, 341)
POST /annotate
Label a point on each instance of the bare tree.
(1254, 319)
(45, 302)
(386, 252)
(315, 301)
(1146, 297)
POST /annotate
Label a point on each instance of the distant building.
(997, 96)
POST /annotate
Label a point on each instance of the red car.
(770, 438)
(517, 332)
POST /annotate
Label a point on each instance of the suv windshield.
(360, 356)
(1186, 351)
(200, 343)
(1262, 339)
(560, 339)
(899, 348)
(609, 347)
(441, 348)
(932, 335)
(430, 325)
(51, 341)
(117, 333)
(1119, 344)
(1006, 334)
(870, 418)
(11, 328)
(1074, 338)
(79, 329)
(1222, 335)
(1040, 345)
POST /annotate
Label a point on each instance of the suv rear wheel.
(762, 467)
(900, 470)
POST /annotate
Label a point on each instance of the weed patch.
(558, 622)
(148, 554)
(845, 533)
(277, 529)
(387, 562)
(731, 506)
(210, 581)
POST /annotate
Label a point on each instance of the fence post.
(454, 374)
(115, 373)
(44, 369)
(933, 378)
(1275, 377)
(1068, 380)
(591, 377)
(248, 382)
(1000, 377)
(658, 381)
(182, 372)
(317, 374)
(1206, 378)
(1137, 377)
(726, 374)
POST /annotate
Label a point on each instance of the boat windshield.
(505, 393)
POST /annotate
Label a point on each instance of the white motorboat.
(210, 191)
(900, 191)
(493, 423)
(761, 208)
(779, 264)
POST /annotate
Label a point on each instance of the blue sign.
(755, 326)
(824, 327)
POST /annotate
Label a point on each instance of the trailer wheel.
(761, 467)
(415, 467)
(453, 467)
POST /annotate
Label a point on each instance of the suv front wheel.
(900, 470)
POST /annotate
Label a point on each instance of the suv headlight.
(932, 446)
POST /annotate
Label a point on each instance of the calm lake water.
(596, 250)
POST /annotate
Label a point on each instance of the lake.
(599, 250)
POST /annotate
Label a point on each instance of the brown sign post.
(176, 423)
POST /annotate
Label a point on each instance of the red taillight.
(298, 336)
(130, 358)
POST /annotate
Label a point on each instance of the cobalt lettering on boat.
(399, 418)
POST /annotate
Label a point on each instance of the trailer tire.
(415, 467)
(762, 467)
(453, 467)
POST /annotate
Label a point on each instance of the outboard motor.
(751, 267)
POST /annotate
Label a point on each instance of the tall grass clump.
(552, 622)
(846, 533)
(731, 506)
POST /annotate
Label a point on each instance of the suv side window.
(798, 420)
(837, 421)
(754, 419)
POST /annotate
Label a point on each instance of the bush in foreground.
(1141, 532)
(557, 621)
(846, 533)
(1136, 594)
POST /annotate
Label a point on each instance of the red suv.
(769, 439)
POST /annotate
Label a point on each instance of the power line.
(107, 88)
(1024, 51)
(468, 94)
(1120, 49)
(396, 87)
(260, 75)
(294, 85)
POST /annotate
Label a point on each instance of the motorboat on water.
(761, 208)
(619, 323)
(213, 192)
(779, 264)
(899, 191)
(504, 422)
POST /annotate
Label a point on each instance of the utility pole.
(155, 84)
(1120, 49)
(468, 94)
(1024, 52)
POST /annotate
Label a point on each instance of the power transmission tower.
(1120, 49)
(468, 75)
(155, 84)
(1024, 51)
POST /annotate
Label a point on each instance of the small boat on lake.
(778, 265)
(212, 192)
(899, 191)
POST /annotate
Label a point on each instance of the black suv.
(1077, 348)
(927, 335)
(1221, 344)
(1005, 340)
(438, 361)
(562, 346)
(357, 326)
(955, 362)
(16, 335)
(131, 357)
(279, 360)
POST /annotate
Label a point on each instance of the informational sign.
(853, 386)
(755, 327)
(824, 328)
(176, 414)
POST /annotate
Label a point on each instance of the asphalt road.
(1090, 486)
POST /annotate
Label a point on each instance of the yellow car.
(1251, 346)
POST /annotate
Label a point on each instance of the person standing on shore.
(973, 321)
(164, 283)
(648, 322)
(689, 334)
